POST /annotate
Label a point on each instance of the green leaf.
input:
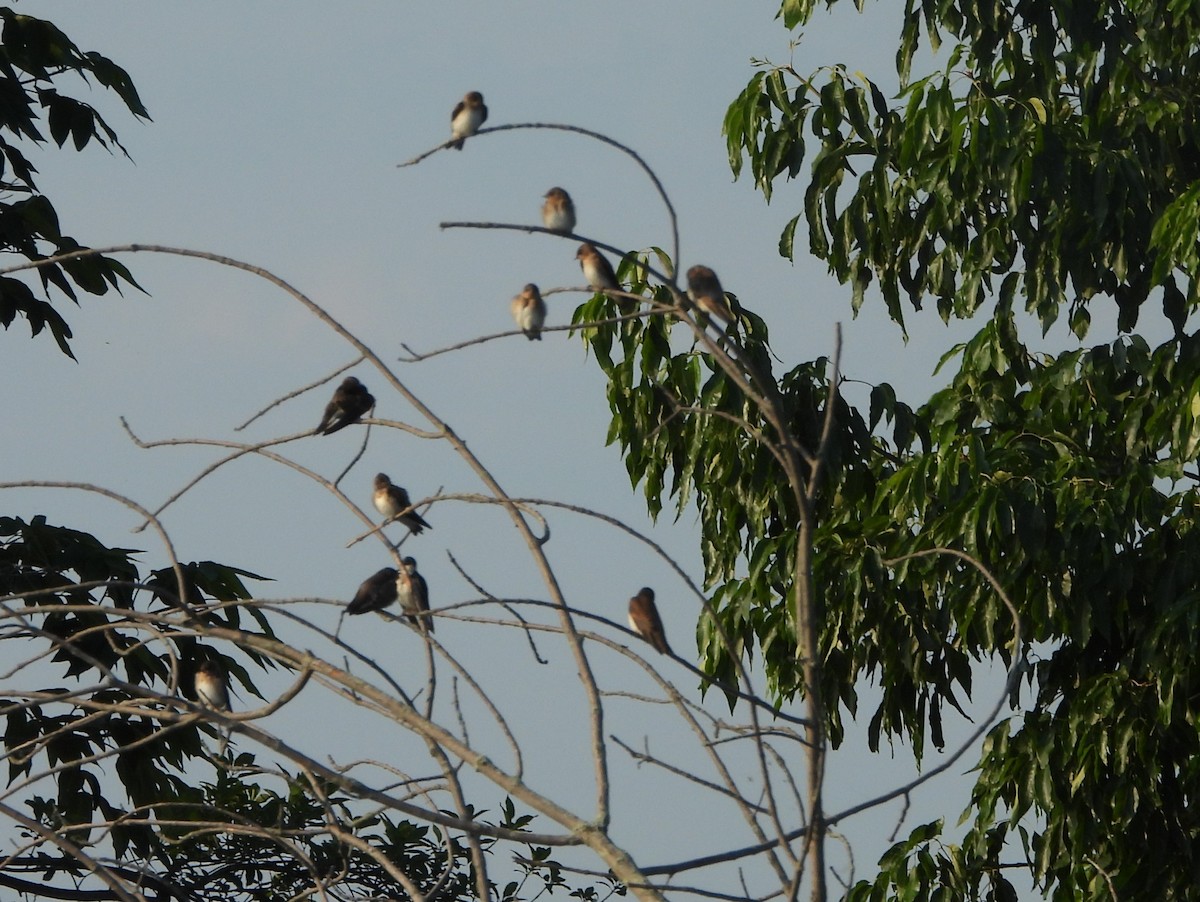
(787, 239)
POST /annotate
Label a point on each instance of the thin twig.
(324, 380)
(662, 193)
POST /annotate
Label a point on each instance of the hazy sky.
(275, 137)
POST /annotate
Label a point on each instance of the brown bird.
(558, 212)
(392, 501)
(413, 592)
(599, 274)
(376, 592)
(529, 311)
(644, 620)
(704, 288)
(597, 270)
(468, 115)
(212, 690)
(350, 401)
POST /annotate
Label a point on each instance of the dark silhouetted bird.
(529, 311)
(704, 288)
(558, 212)
(644, 620)
(413, 593)
(350, 401)
(468, 115)
(375, 593)
(390, 500)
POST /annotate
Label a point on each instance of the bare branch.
(662, 193)
(417, 357)
(644, 757)
(325, 380)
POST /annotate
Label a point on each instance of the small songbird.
(413, 593)
(597, 270)
(704, 288)
(391, 500)
(529, 310)
(350, 401)
(558, 212)
(212, 690)
(599, 274)
(644, 620)
(468, 115)
(375, 593)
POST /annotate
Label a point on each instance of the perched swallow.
(597, 270)
(644, 620)
(390, 500)
(468, 115)
(599, 274)
(413, 593)
(529, 310)
(350, 401)
(212, 690)
(558, 212)
(375, 593)
(704, 288)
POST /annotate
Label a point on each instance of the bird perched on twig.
(596, 269)
(704, 288)
(376, 592)
(212, 691)
(558, 212)
(468, 115)
(644, 620)
(600, 275)
(529, 311)
(413, 592)
(393, 502)
(350, 401)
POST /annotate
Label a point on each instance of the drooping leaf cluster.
(1056, 157)
(34, 57)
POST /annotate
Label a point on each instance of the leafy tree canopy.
(1052, 164)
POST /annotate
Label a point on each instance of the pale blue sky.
(277, 130)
